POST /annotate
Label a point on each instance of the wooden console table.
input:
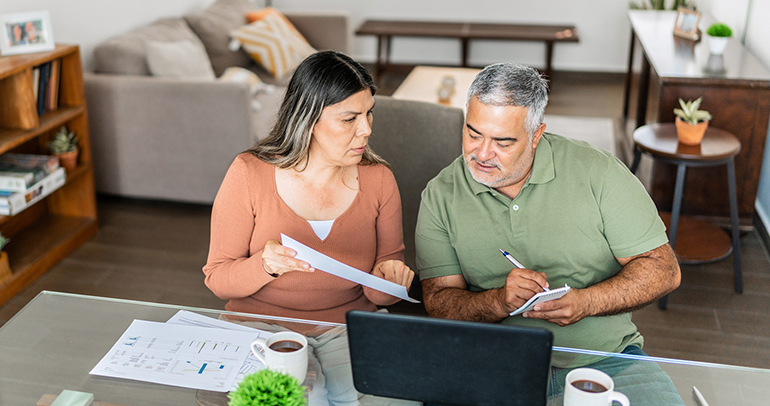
(736, 90)
(385, 30)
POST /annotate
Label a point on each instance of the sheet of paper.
(251, 365)
(541, 297)
(187, 356)
(327, 264)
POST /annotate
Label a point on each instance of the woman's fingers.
(280, 259)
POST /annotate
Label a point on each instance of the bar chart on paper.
(186, 356)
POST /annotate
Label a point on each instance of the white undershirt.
(321, 227)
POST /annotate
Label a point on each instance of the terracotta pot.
(5, 268)
(69, 160)
(689, 134)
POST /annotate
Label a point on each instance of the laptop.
(448, 362)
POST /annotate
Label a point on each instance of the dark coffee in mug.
(285, 346)
(589, 386)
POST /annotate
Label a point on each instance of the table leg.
(637, 159)
(548, 58)
(734, 225)
(629, 74)
(378, 64)
(674, 223)
(464, 52)
(644, 87)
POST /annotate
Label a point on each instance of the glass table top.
(56, 339)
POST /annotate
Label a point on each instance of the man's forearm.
(462, 304)
(642, 280)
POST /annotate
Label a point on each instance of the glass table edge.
(647, 358)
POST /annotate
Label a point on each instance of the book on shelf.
(12, 203)
(20, 171)
(35, 81)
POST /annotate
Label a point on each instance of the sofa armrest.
(323, 30)
(163, 138)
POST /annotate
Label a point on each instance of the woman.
(315, 179)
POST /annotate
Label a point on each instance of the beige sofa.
(173, 139)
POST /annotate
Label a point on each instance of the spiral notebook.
(542, 297)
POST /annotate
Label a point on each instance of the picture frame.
(686, 23)
(24, 33)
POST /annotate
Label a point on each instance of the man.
(570, 213)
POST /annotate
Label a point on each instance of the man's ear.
(538, 135)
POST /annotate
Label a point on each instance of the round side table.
(717, 148)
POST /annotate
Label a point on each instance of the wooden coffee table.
(423, 82)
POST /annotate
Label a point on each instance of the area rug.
(597, 131)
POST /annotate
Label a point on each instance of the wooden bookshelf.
(49, 230)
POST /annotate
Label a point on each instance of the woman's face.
(341, 134)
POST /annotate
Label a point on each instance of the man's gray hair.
(511, 84)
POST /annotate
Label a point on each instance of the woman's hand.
(277, 260)
(394, 271)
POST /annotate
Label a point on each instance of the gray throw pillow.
(213, 27)
(179, 59)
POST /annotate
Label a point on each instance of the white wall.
(757, 35)
(602, 24)
(89, 22)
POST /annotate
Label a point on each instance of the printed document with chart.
(178, 355)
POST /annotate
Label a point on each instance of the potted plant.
(268, 388)
(64, 145)
(5, 268)
(691, 123)
(718, 34)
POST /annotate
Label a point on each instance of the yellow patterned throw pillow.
(273, 42)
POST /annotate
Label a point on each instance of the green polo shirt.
(580, 208)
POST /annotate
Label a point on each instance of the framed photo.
(25, 33)
(686, 25)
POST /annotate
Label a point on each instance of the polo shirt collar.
(542, 168)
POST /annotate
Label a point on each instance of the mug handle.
(259, 345)
(620, 398)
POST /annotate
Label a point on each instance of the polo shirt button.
(515, 207)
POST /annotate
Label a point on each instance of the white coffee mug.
(591, 387)
(283, 352)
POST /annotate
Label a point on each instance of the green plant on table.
(661, 5)
(63, 141)
(268, 388)
(719, 30)
(3, 241)
(690, 112)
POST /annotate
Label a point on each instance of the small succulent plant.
(268, 388)
(3, 241)
(690, 112)
(63, 141)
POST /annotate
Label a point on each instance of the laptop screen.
(447, 361)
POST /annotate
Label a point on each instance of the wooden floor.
(154, 251)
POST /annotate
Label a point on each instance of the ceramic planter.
(5, 268)
(69, 160)
(718, 44)
(689, 134)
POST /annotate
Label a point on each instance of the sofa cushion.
(213, 27)
(125, 54)
(179, 59)
(273, 42)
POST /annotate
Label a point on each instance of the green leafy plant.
(661, 5)
(63, 141)
(719, 30)
(3, 241)
(268, 388)
(690, 112)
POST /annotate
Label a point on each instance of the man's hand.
(520, 286)
(564, 311)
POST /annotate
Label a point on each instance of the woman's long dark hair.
(323, 79)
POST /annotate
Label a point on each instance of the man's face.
(497, 149)
(31, 30)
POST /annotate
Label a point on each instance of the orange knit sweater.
(248, 212)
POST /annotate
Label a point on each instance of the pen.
(515, 262)
(701, 400)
